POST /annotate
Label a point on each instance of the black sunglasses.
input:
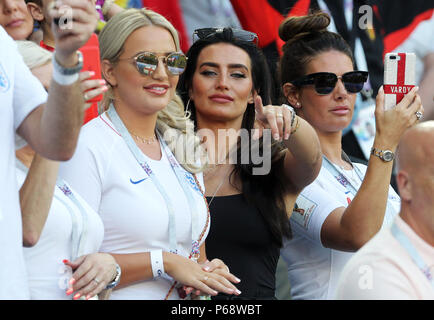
(325, 82)
(147, 62)
(235, 34)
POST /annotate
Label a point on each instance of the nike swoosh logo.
(138, 181)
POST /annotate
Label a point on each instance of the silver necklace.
(219, 186)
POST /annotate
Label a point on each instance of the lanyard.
(78, 239)
(343, 180)
(180, 175)
(340, 176)
(411, 250)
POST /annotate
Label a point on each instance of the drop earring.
(187, 111)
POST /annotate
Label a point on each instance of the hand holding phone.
(399, 77)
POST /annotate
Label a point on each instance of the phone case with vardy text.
(399, 77)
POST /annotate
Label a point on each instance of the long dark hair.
(265, 192)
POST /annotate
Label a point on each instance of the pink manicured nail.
(104, 89)
(102, 81)
(72, 281)
(69, 291)
(65, 261)
(77, 296)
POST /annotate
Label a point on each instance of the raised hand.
(71, 35)
(276, 118)
(391, 123)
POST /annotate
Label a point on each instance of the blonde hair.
(112, 39)
(33, 55)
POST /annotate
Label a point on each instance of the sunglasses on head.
(147, 62)
(325, 82)
(235, 34)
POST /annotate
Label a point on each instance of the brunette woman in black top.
(252, 180)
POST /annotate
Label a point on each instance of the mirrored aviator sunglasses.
(325, 82)
(235, 34)
(147, 62)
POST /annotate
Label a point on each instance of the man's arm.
(52, 129)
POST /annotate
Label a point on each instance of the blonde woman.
(60, 231)
(153, 209)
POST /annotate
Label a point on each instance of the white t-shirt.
(47, 275)
(20, 93)
(382, 269)
(313, 269)
(134, 213)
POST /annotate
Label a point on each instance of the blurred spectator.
(16, 19)
(39, 11)
(171, 10)
(57, 223)
(409, 27)
(398, 263)
(208, 13)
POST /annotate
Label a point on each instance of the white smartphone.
(399, 77)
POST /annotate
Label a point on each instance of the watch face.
(387, 155)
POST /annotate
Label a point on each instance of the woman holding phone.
(348, 202)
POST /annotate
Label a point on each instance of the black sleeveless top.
(239, 236)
